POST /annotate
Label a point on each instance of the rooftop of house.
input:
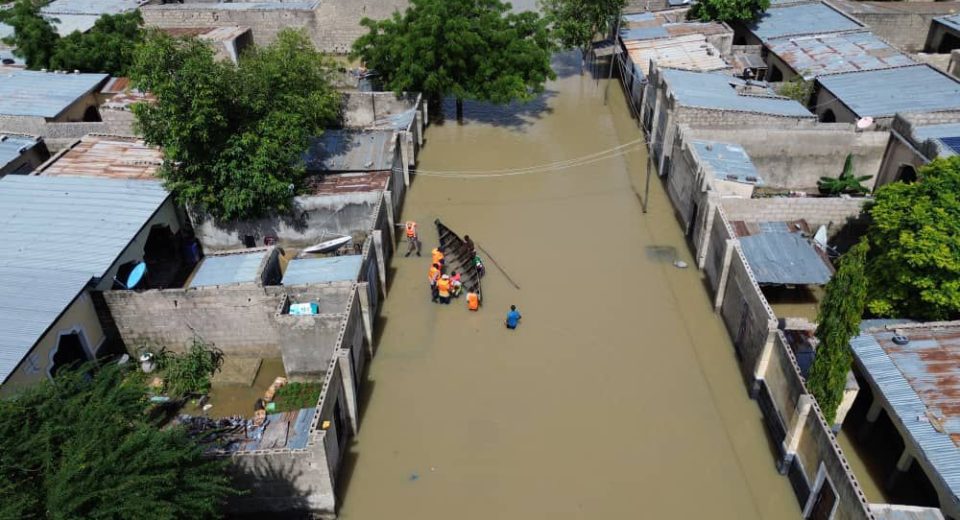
(213, 34)
(691, 52)
(802, 18)
(358, 182)
(379, 110)
(43, 94)
(241, 6)
(941, 140)
(951, 22)
(59, 233)
(666, 24)
(881, 93)
(80, 15)
(919, 383)
(812, 56)
(302, 271)
(13, 146)
(350, 151)
(780, 254)
(855, 7)
(106, 156)
(726, 162)
(717, 91)
(228, 268)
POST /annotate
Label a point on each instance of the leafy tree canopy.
(727, 10)
(234, 137)
(107, 47)
(915, 270)
(575, 23)
(469, 49)
(82, 447)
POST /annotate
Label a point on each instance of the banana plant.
(846, 183)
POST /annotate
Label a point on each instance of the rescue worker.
(481, 270)
(471, 249)
(443, 288)
(433, 275)
(437, 255)
(456, 286)
(473, 301)
(513, 318)
(413, 239)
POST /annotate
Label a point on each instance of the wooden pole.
(498, 266)
(613, 54)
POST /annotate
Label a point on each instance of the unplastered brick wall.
(727, 118)
(746, 313)
(60, 135)
(713, 247)
(833, 212)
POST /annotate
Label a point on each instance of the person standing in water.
(513, 318)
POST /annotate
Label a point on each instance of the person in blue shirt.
(513, 317)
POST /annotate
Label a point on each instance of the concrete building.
(879, 94)
(816, 55)
(915, 140)
(110, 156)
(904, 25)
(20, 154)
(912, 372)
(795, 19)
(674, 97)
(66, 238)
(68, 16)
(227, 42)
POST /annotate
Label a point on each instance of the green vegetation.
(797, 89)
(189, 373)
(845, 183)
(727, 10)
(469, 49)
(234, 137)
(82, 447)
(294, 396)
(838, 321)
(915, 270)
(575, 23)
(107, 47)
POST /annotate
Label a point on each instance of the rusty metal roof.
(691, 52)
(811, 56)
(919, 383)
(332, 184)
(106, 156)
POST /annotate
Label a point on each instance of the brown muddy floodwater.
(617, 397)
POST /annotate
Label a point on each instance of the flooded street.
(617, 397)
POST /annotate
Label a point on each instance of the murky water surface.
(617, 397)
(234, 399)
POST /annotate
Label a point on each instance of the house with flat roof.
(796, 19)
(66, 238)
(68, 16)
(912, 371)
(20, 154)
(112, 156)
(881, 94)
(816, 55)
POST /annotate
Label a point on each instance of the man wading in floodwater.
(513, 318)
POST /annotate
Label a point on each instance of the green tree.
(234, 137)
(107, 47)
(575, 23)
(916, 272)
(81, 446)
(34, 38)
(469, 49)
(727, 10)
(838, 321)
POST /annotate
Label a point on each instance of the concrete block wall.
(833, 212)
(728, 118)
(308, 342)
(746, 313)
(59, 135)
(713, 251)
(905, 31)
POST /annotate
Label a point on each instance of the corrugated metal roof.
(43, 94)
(13, 146)
(883, 93)
(6, 31)
(107, 156)
(798, 19)
(813, 56)
(716, 91)
(350, 151)
(362, 182)
(65, 24)
(643, 33)
(57, 234)
(920, 385)
(638, 17)
(691, 52)
(241, 6)
(228, 269)
(727, 162)
(948, 146)
(97, 7)
(782, 258)
(952, 21)
(302, 271)
(922, 133)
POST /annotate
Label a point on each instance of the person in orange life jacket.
(473, 301)
(437, 256)
(456, 286)
(413, 238)
(443, 288)
(433, 276)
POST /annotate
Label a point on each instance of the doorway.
(70, 352)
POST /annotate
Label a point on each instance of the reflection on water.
(797, 302)
(617, 397)
(233, 399)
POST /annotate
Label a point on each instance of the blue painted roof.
(350, 151)
(645, 16)
(242, 6)
(880, 93)
(643, 33)
(952, 21)
(716, 91)
(727, 162)
(7, 54)
(6, 30)
(12, 147)
(43, 94)
(228, 269)
(81, 15)
(56, 237)
(797, 19)
(302, 271)
(812, 56)
(922, 133)
(914, 380)
(949, 146)
(784, 258)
